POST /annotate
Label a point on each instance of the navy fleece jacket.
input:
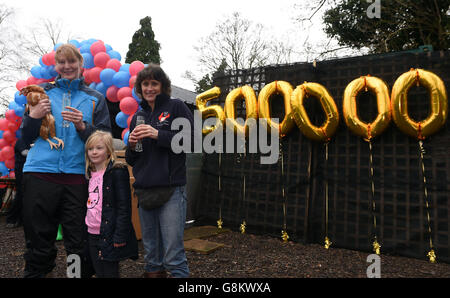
(158, 165)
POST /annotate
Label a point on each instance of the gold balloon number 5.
(210, 111)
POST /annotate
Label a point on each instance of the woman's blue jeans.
(162, 235)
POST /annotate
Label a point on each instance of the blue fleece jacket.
(41, 158)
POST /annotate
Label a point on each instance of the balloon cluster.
(102, 71)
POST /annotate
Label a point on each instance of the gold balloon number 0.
(264, 110)
(328, 128)
(438, 101)
(251, 108)
(381, 122)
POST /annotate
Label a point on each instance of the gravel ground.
(245, 256)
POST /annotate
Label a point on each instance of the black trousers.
(45, 206)
(103, 269)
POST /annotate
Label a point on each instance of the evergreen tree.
(144, 47)
(402, 24)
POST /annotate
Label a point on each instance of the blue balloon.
(18, 134)
(108, 47)
(20, 99)
(75, 43)
(125, 137)
(19, 110)
(101, 88)
(135, 96)
(106, 76)
(12, 105)
(1, 134)
(52, 71)
(121, 119)
(85, 48)
(125, 67)
(45, 73)
(121, 79)
(114, 55)
(41, 63)
(3, 169)
(88, 60)
(36, 72)
(93, 85)
(57, 45)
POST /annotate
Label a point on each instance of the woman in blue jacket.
(55, 189)
(160, 174)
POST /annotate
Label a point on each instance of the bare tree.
(237, 43)
(13, 64)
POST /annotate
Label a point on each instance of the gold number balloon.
(210, 111)
(251, 107)
(264, 106)
(438, 101)
(328, 128)
(381, 122)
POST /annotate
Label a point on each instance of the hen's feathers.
(35, 94)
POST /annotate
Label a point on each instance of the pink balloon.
(9, 136)
(101, 59)
(97, 47)
(9, 163)
(3, 143)
(132, 81)
(113, 64)
(51, 58)
(31, 81)
(124, 132)
(95, 74)
(12, 174)
(11, 116)
(128, 105)
(111, 93)
(46, 59)
(124, 92)
(129, 120)
(136, 67)
(87, 76)
(8, 152)
(20, 84)
(4, 124)
(13, 127)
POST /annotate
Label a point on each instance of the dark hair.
(153, 72)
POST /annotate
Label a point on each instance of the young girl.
(111, 236)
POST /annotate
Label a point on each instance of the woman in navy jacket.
(158, 168)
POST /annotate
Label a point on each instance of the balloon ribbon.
(431, 254)
(219, 221)
(327, 240)
(284, 234)
(376, 246)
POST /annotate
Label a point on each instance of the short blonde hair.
(93, 139)
(69, 51)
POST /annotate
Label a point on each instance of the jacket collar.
(159, 100)
(69, 85)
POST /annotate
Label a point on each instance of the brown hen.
(34, 94)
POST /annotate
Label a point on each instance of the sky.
(178, 25)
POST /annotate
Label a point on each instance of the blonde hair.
(94, 138)
(69, 51)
